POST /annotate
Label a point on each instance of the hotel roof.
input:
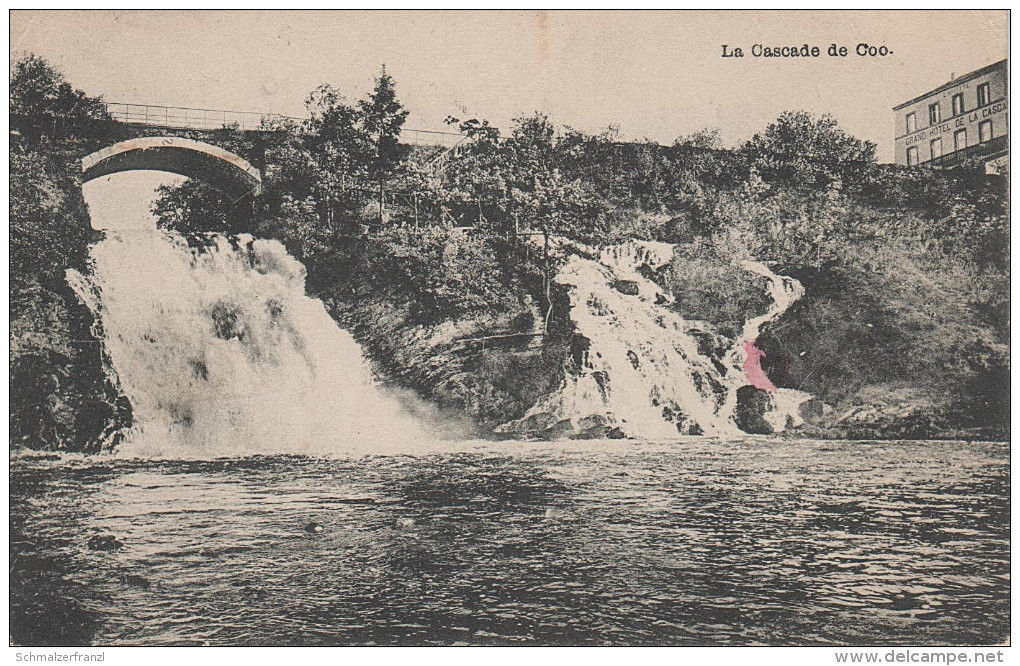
(955, 82)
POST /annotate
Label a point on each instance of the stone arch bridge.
(199, 160)
(227, 149)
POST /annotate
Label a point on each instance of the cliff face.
(892, 352)
(478, 368)
(61, 397)
(839, 363)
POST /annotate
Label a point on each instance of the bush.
(799, 149)
(444, 273)
(708, 285)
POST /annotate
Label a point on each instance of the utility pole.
(545, 278)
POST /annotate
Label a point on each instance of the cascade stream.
(646, 372)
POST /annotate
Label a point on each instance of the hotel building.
(966, 118)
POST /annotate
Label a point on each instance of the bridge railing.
(185, 118)
(180, 117)
(422, 137)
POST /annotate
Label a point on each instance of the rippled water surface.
(699, 542)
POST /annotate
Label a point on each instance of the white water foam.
(220, 352)
(644, 372)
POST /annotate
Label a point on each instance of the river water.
(693, 542)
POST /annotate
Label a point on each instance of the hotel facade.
(966, 118)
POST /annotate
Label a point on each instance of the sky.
(656, 74)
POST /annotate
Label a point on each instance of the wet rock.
(529, 426)
(104, 542)
(200, 369)
(752, 405)
(711, 345)
(227, 321)
(313, 527)
(602, 381)
(548, 427)
(405, 523)
(628, 287)
(896, 413)
(593, 426)
(559, 430)
(593, 422)
(812, 410)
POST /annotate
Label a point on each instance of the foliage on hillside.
(60, 396)
(43, 104)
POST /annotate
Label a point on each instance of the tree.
(341, 152)
(195, 207)
(46, 206)
(60, 396)
(538, 192)
(705, 139)
(800, 149)
(382, 119)
(48, 220)
(42, 102)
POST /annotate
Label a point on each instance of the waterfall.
(647, 372)
(220, 352)
(784, 403)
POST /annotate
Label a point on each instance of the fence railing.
(996, 145)
(185, 118)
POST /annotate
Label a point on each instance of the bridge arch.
(221, 168)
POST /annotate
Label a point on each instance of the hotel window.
(958, 104)
(912, 156)
(936, 148)
(984, 94)
(934, 114)
(960, 140)
(985, 131)
(911, 122)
